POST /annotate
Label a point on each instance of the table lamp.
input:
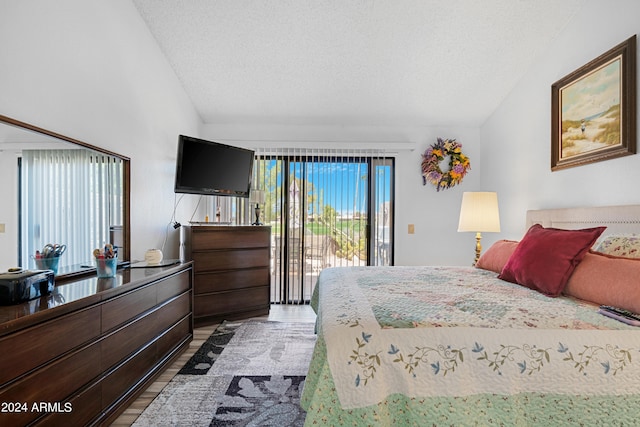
(257, 197)
(479, 213)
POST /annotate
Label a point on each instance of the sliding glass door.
(324, 211)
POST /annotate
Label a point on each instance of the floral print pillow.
(623, 245)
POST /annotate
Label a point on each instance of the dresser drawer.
(130, 338)
(84, 407)
(173, 285)
(241, 237)
(41, 343)
(231, 280)
(127, 306)
(230, 260)
(174, 337)
(121, 380)
(52, 384)
(219, 304)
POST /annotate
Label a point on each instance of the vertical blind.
(326, 208)
(69, 197)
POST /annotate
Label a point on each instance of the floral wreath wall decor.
(459, 164)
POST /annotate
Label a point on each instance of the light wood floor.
(280, 313)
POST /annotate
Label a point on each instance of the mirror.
(25, 225)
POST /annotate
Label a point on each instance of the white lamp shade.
(257, 196)
(479, 212)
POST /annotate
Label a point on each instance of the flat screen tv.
(207, 167)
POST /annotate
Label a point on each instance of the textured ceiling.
(352, 62)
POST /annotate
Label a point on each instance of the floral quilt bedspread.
(459, 331)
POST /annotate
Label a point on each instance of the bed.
(495, 344)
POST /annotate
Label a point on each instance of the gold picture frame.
(593, 110)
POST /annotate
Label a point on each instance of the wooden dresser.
(82, 354)
(231, 270)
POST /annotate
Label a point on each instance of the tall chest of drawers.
(231, 270)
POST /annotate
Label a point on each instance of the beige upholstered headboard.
(617, 219)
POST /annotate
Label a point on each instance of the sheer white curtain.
(69, 197)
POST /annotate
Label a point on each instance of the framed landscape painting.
(593, 110)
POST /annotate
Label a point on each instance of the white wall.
(90, 69)
(516, 139)
(434, 214)
(8, 213)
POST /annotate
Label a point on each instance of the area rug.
(248, 373)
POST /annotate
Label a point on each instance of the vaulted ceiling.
(352, 62)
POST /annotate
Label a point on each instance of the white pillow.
(622, 245)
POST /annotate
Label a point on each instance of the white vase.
(153, 256)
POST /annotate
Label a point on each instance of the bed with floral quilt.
(493, 344)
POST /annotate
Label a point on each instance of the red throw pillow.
(546, 257)
(494, 258)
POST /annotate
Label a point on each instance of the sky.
(592, 94)
(343, 184)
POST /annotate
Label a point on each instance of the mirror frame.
(126, 191)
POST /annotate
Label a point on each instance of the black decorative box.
(23, 285)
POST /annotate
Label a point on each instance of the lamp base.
(257, 212)
(478, 248)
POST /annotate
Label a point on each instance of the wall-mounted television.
(207, 167)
